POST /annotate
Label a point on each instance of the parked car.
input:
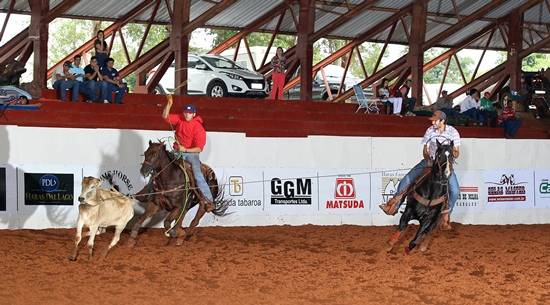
(216, 76)
(333, 74)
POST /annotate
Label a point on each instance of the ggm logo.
(344, 188)
(49, 183)
(236, 186)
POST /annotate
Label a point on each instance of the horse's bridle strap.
(428, 202)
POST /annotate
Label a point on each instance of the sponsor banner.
(49, 188)
(471, 190)
(383, 187)
(291, 191)
(344, 193)
(3, 197)
(244, 189)
(126, 180)
(56, 186)
(542, 189)
(510, 188)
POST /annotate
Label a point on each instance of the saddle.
(390, 207)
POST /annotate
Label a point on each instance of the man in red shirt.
(190, 141)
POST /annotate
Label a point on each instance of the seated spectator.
(111, 83)
(101, 49)
(408, 101)
(93, 79)
(78, 73)
(63, 80)
(509, 120)
(384, 95)
(470, 107)
(488, 111)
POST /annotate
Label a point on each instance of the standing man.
(111, 83)
(439, 131)
(409, 102)
(190, 141)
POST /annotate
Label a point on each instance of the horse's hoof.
(72, 258)
(179, 242)
(407, 250)
(423, 248)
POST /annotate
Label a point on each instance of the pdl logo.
(49, 183)
(236, 186)
(344, 189)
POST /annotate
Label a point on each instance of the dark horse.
(168, 182)
(426, 201)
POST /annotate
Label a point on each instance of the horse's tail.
(220, 204)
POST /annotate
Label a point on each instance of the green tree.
(435, 74)
(535, 62)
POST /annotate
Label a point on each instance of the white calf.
(101, 208)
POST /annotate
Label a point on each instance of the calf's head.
(89, 188)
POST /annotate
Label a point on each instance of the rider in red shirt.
(190, 141)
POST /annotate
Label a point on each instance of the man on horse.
(439, 131)
(190, 140)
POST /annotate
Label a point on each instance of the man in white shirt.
(470, 107)
(63, 80)
(439, 131)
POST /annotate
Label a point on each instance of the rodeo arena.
(275, 152)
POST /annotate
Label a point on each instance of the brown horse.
(168, 183)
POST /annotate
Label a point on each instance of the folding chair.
(363, 102)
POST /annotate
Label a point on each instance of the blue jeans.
(511, 127)
(61, 87)
(193, 159)
(474, 114)
(411, 176)
(85, 90)
(93, 85)
(107, 90)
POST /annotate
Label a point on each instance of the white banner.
(509, 188)
(244, 188)
(291, 191)
(542, 189)
(471, 190)
(383, 187)
(341, 193)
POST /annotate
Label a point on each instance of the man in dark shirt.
(111, 83)
(93, 78)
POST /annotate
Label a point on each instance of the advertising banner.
(344, 194)
(542, 189)
(244, 188)
(509, 188)
(291, 191)
(471, 188)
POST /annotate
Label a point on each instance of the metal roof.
(441, 15)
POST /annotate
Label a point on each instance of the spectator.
(111, 83)
(470, 107)
(101, 49)
(63, 80)
(409, 102)
(384, 95)
(278, 64)
(509, 120)
(78, 73)
(488, 110)
(93, 78)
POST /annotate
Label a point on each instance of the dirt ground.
(281, 265)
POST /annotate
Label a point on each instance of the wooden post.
(38, 34)
(179, 43)
(515, 42)
(304, 46)
(415, 57)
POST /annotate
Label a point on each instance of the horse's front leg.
(403, 223)
(427, 224)
(152, 209)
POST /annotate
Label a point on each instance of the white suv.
(217, 76)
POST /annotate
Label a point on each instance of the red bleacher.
(256, 118)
